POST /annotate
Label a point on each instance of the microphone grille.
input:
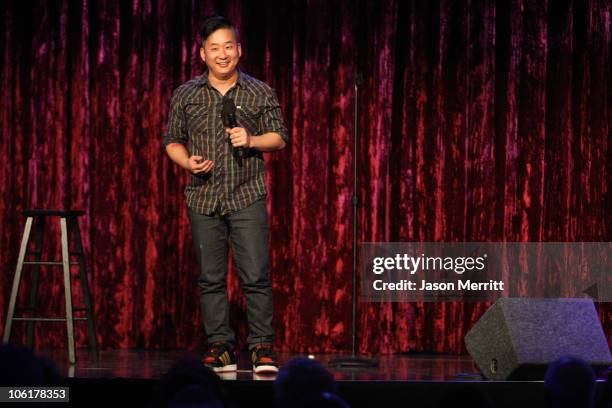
(229, 106)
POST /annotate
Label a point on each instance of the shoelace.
(264, 352)
(215, 350)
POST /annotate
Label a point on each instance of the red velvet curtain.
(480, 121)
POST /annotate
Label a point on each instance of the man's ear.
(239, 50)
(202, 54)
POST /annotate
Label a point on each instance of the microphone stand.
(353, 361)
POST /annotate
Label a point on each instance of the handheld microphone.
(228, 116)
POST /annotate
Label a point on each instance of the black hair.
(301, 379)
(176, 385)
(212, 24)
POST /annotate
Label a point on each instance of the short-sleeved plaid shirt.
(195, 121)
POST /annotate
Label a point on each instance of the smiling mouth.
(223, 64)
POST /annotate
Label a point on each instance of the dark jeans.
(247, 231)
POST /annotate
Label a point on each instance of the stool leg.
(91, 325)
(39, 230)
(67, 290)
(16, 280)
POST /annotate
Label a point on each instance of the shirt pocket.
(197, 115)
(249, 117)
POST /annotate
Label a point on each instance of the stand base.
(354, 362)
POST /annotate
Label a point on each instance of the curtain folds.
(480, 121)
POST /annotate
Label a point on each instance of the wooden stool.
(69, 226)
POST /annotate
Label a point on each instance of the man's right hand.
(197, 164)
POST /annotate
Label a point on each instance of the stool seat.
(50, 213)
(69, 233)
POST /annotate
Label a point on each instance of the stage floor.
(145, 364)
(419, 380)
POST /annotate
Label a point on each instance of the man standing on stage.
(218, 127)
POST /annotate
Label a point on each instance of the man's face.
(221, 53)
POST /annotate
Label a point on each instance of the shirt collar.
(203, 79)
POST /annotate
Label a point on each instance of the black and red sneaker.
(263, 359)
(220, 357)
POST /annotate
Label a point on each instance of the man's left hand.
(239, 137)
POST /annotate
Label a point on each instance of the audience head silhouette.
(570, 382)
(302, 380)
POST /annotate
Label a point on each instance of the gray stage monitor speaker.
(517, 337)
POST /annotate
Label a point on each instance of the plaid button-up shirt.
(195, 121)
